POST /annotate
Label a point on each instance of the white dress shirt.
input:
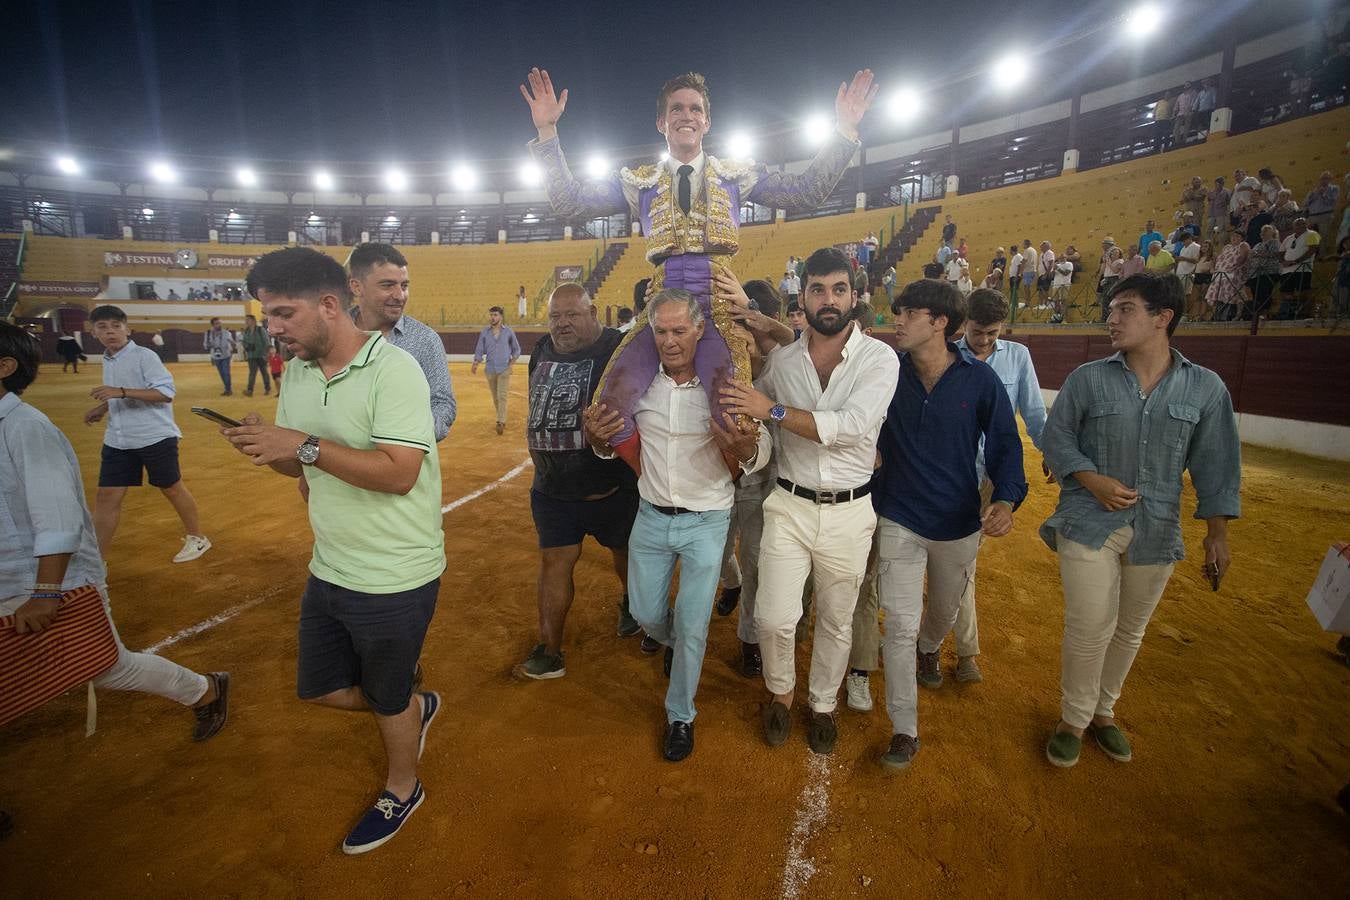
(848, 412)
(681, 463)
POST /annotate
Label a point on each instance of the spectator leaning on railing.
(1320, 208)
(1263, 268)
(1195, 198)
(1218, 208)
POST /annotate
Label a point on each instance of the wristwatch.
(308, 452)
(778, 413)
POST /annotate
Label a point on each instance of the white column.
(1221, 120)
(501, 235)
(292, 238)
(28, 225)
(636, 230)
(567, 232)
(780, 215)
(365, 237)
(126, 233)
(213, 235)
(953, 184)
(435, 237)
(860, 201)
(1070, 161)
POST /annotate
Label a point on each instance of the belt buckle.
(827, 496)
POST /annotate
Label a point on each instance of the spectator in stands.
(796, 317)
(1188, 226)
(1284, 211)
(1108, 244)
(173, 295)
(961, 249)
(1299, 251)
(1014, 273)
(1045, 274)
(1181, 117)
(791, 265)
(625, 320)
(1246, 191)
(1000, 260)
(1195, 198)
(1162, 121)
(1112, 267)
(1263, 269)
(1204, 274)
(791, 286)
(68, 348)
(867, 248)
(1186, 258)
(1230, 274)
(498, 349)
(1218, 208)
(1320, 206)
(888, 282)
(219, 342)
(256, 343)
(994, 280)
(949, 231)
(1160, 260)
(1271, 185)
(963, 282)
(1059, 286)
(1134, 262)
(944, 254)
(1029, 263)
(379, 282)
(1205, 102)
(1255, 217)
(522, 304)
(861, 282)
(1075, 258)
(1341, 294)
(1150, 235)
(952, 271)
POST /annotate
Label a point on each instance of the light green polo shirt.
(369, 541)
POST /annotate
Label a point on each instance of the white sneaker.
(859, 695)
(194, 545)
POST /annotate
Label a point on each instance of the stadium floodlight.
(147, 212)
(463, 177)
(162, 171)
(313, 217)
(67, 165)
(1010, 71)
(816, 129)
(233, 215)
(597, 167)
(395, 179)
(246, 177)
(740, 146)
(904, 104)
(531, 175)
(323, 181)
(1143, 21)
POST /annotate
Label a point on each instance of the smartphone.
(218, 418)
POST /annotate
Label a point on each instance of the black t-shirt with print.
(561, 387)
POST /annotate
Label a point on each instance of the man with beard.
(575, 493)
(356, 420)
(827, 394)
(378, 277)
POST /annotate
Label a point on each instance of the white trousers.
(967, 629)
(800, 538)
(903, 560)
(136, 671)
(1107, 605)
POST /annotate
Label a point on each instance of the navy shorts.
(1295, 282)
(122, 468)
(565, 523)
(371, 641)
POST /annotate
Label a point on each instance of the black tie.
(684, 171)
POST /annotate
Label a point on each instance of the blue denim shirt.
(1011, 362)
(1099, 423)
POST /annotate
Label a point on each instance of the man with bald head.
(575, 493)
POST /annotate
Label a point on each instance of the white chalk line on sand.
(226, 615)
(813, 807)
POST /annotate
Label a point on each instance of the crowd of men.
(837, 480)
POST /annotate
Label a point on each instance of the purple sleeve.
(570, 197)
(811, 188)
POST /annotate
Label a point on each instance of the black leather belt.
(670, 510)
(825, 496)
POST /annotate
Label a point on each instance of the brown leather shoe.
(211, 717)
(752, 664)
(777, 724)
(821, 733)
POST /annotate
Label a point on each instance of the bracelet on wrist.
(45, 595)
(46, 586)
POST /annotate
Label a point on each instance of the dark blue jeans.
(223, 367)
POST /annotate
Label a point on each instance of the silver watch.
(308, 452)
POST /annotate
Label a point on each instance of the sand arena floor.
(1236, 707)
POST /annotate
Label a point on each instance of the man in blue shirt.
(1151, 234)
(927, 493)
(498, 349)
(1118, 437)
(1011, 362)
(137, 397)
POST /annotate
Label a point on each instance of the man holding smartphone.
(356, 421)
(1117, 439)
